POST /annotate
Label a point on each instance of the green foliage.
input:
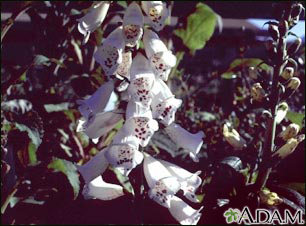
(248, 62)
(69, 170)
(33, 133)
(296, 117)
(199, 29)
(32, 153)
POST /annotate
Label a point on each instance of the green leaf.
(122, 3)
(248, 62)
(69, 169)
(56, 107)
(32, 133)
(228, 75)
(229, 219)
(296, 117)
(200, 27)
(32, 153)
(124, 181)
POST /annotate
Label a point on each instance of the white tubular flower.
(99, 189)
(134, 109)
(281, 112)
(163, 186)
(142, 81)
(97, 102)
(101, 124)
(289, 147)
(184, 213)
(93, 19)
(189, 181)
(157, 13)
(161, 59)
(124, 68)
(290, 132)
(132, 24)
(164, 104)
(233, 137)
(191, 142)
(109, 54)
(94, 167)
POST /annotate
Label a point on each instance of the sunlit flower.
(163, 187)
(101, 124)
(294, 83)
(281, 112)
(161, 59)
(142, 81)
(190, 142)
(99, 189)
(184, 213)
(132, 24)
(233, 137)
(109, 54)
(124, 68)
(291, 131)
(157, 13)
(97, 102)
(289, 147)
(287, 73)
(93, 19)
(257, 92)
(164, 104)
(269, 198)
(123, 153)
(189, 181)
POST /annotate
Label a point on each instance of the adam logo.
(262, 216)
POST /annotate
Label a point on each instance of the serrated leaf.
(200, 27)
(69, 169)
(296, 117)
(32, 133)
(32, 153)
(124, 181)
(248, 62)
(56, 107)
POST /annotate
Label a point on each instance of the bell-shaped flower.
(134, 109)
(157, 13)
(289, 147)
(97, 102)
(163, 186)
(281, 112)
(161, 59)
(99, 189)
(233, 137)
(291, 131)
(93, 19)
(189, 181)
(288, 73)
(142, 81)
(123, 153)
(257, 92)
(109, 54)
(164, 104)
(132, 24)
(101, 124)
(188, 141)
(184, 213)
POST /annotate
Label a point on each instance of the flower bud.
(294, 47)
(292, 86)
(273, 30)
(287, 73)
(233, 137)
(257, 92)
(252, 73)
(281, 112)
(289, 147)
(290, 132)
(269, 198)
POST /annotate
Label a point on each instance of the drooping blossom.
(289, 147)
(192, 143)
(161, 59)
(233, 137)
(157, 13)
(109, 53)
(132, 24)
(281, 112)
(93, 19)
(291, 131)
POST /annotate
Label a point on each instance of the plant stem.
(179, 57)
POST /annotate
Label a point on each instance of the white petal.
(191, 142)
(154, 170)
(161, 91)
(184, 213)
(136, 109)
(94, 167)
(99, 189)
(93, 19)
(157, 13)
(109, 54)
(102, 124)
(152, 43)
(162, 63)
(189, 181)
(165, 110)
(124, 68)
(98, 101)
(140, 67)
(124, 157)
(163, 190)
